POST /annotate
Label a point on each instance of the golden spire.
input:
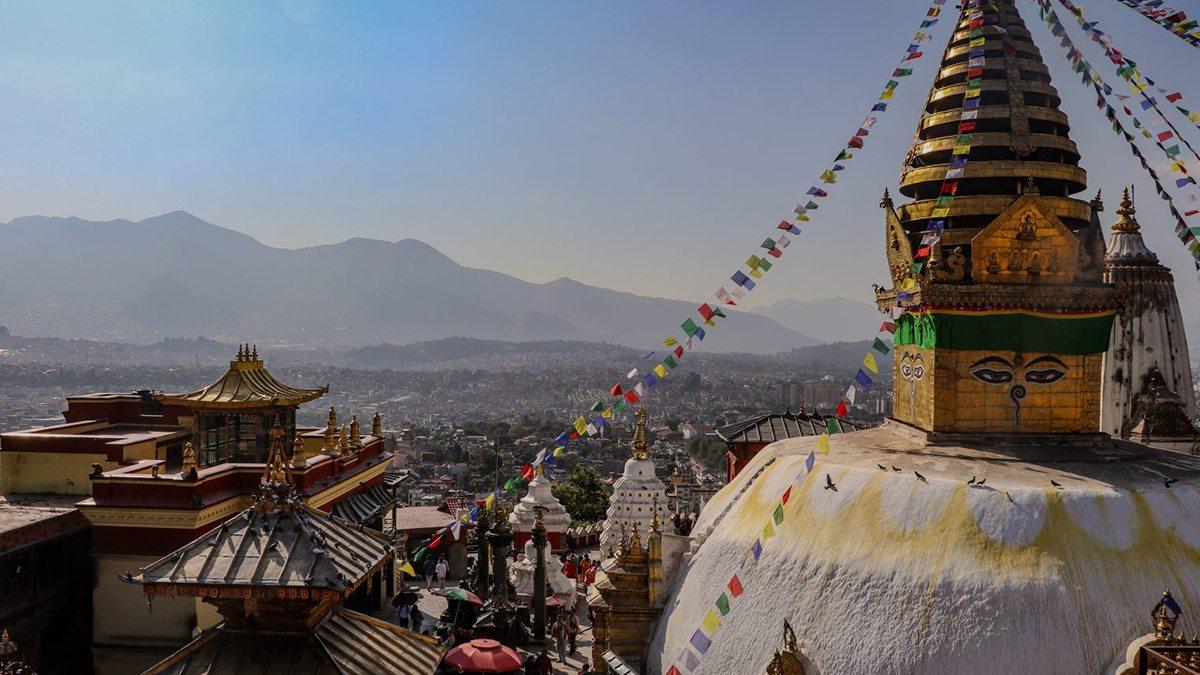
(7, 646)
(355, 437)
(654, 524)
(276, 489)
(1126, 222)
(641, 446)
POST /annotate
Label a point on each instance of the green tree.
(584, 495)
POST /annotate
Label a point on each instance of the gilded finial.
(1164, 615)
(654, 513)
(640, 443)
(7, 646)
(1125, 215)
(1098, 203)
(241, 354)
(355, 438)
(275, 490)
(886, 201)
(254, 353)
(377, 425)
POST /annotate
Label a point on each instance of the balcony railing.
(1164, 660)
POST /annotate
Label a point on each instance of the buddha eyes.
(906, 370)
(992, 376)
(918, 371)
(912, 372)
(1044, 376)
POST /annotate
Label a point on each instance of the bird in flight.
(829, 484)
(920, 477)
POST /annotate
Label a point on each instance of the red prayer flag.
(574, 435)
(673, 671)
(706, 311)
(437, 541)
(923, 252)
(841, 409)
(735, 586)
(1174, 97)
(631, 396)
(785, 225)
(950, 187)
(1191, 213)
(913, 56)
(616, 389)
(527, 471)
(888, 326)
(1165, 135)
(775, 253)
(855, 142)
(679, 350)
(975, 72)
(965, 127)
(786, 496)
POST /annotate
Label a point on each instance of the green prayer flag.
(831, 426)
(764, 265)
(880, 346)
(717, 311)
(844, 154)
(723, 604)
(892, 84)
(778, 515)
(619, 405)
(975, 83)
(916, 267)
(597, 406)
(670, 361)
(811, 205)
(902, 72)
(689, 327)
(768, 243)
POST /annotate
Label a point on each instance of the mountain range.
(177, 275)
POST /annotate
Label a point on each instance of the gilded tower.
(1002, 314)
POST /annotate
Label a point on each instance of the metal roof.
(359, 508)
(298, 547)
(347, 643)
(247, 384)
(780, 426)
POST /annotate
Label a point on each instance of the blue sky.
(647, 147)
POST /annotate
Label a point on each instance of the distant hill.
(827, 319)
(471, 352)
(175, 274)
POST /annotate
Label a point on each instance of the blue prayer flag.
(700, 641)
(863, 382)
(699, 333)
(739, 278)
(1180, 182)
(562, 438)
(1148, 103)
(474, 515)
(810, 461)
(756, 549)
(651, 380)
(879, 107)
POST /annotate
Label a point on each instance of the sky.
(641, 146)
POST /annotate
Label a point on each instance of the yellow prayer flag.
(940, 212)
(768, 531)
(888, 93)
(580, 425)
(670, 341)
(804, 219)
(607, 414)
(491, 499)
(558, 452)
(869, 362)
(753, 262)
(962, 149)
(407, 568)
(973, 93)
(660, 370)
(711, 622)
(823, 443)
(1194, 117)
(756, 273)
(977, 42)
(710, 323)
(1137, 88)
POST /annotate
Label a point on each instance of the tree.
(584, 495)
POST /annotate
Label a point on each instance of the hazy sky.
(644, 146)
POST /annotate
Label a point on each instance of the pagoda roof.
(247, 384)
(294, 548)
(347, 643)
(778, 426)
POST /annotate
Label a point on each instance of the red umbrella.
(483, 656)
(464, 595)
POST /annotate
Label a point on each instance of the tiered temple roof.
(246, 385)
(778, 426)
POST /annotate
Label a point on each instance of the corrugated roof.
(780, 426)
(297, 547)
(247, 384)
(347, 643)
(359, 508)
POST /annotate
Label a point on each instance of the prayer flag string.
(1174, 20)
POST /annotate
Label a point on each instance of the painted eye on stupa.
(992, 370)
(1052, 370)
(906, 370)
(918, 371)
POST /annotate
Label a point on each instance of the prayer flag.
(700, 641)
(902, 72)
(580, 425)
(863, 381)
(591, 431)
(783, 241)
(711, 622)
(822, 445)
(828, 176)
(670, 341)
(597, 406)
(775, 253)
(407, 568)
(491, 499)
(616, 389)
(756, 549)
(660, 370)
(855, 141)
(768, 243)
(699, 333)
(739, 278)
(787, 494)
(811, 460)
(679, 351)
(674, 671)
(620, 404)
(851, 393)
(831, 426)
(735, 585)
(841, 409)
(869, 362)
(639, 389)
(607, 414)
(650, 380)
(632, 374)
(778, 515)
(879, 107)
(887, 326)
(689, 327)
(706, 311)
(723, 604)
(670, 362)
(880, 346)
(632, 397)
(785, 225)
(690, 660)
(817, 192)
(756, 273)
(527, 471)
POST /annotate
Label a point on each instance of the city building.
(639, 495)
(988, 526)
(151, 471)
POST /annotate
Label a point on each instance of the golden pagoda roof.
(246, 385)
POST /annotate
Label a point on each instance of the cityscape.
(437, 388)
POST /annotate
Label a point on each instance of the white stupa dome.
(637, 494)
(555, 517)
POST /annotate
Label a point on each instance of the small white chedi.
(521, 575)
(554, 515)
(634, 493)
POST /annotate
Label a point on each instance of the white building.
(634, 493)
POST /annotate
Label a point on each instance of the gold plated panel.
(1025, 245)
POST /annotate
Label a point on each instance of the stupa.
(1147, 336)
(554, 517)
(989, 527)
(638, 495)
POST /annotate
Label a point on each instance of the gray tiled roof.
(780, 426)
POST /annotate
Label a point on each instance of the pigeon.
(981, 481)
(895, 469)
(972, 481)
(829, 484)
(1056, 483)
(920, 477)
(1168, 481)
(881, 467)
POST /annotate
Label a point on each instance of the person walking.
(572, 630)
(561, 635)
(404, 612)
(417, 619)
(428, 568)
(442, 568)
(545, 665)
